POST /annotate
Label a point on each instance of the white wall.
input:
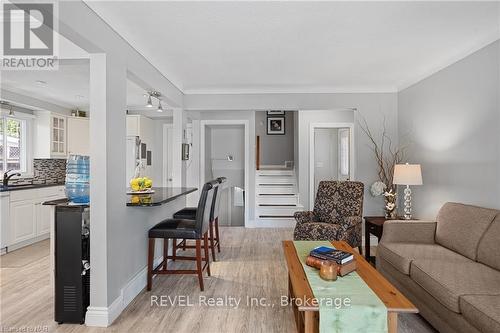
(453, 119)
(275, 149)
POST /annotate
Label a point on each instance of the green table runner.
(365, 313)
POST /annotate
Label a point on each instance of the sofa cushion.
(447, 280)
(400, 255)
(488, 251)
(482, 311)
(460, 227)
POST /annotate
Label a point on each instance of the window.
(12, 144)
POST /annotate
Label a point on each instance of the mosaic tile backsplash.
(45, 171)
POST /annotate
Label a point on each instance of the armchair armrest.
(411, 231)
(305, 216)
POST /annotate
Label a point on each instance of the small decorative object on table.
(391, 212)
(141, 185)
(328, 271)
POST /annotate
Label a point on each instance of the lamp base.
(407, 198)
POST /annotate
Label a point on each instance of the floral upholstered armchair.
(337, 214)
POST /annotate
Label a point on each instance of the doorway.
(331, 154)
(225, 153)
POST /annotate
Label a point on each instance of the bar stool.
(190, 213)
(175, 228)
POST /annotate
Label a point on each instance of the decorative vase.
(391, 212)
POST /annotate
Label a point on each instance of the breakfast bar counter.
(161, 196)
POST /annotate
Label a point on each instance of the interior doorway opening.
(225, 153)
(331, 154)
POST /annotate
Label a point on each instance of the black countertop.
(161, 196)
(26, 187)
(63, 203)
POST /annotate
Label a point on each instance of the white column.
(177, 165)
(107, 174)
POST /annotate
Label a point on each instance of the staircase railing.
(257, 153)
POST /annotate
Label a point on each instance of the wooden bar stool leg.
(212, 241)
(184, 245)
(217, 234)
(207, 258)
(165, 253)
(151, 255)
(198, 263)
(174, 249)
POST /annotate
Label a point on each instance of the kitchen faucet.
(6, 177)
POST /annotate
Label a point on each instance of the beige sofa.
(450, 269)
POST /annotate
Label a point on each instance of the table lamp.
(407, 174)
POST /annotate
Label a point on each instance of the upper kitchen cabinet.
(50, 135)
(78, 136)
(57, 135)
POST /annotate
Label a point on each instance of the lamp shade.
(407, 174)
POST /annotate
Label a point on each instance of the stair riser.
(275, 173)
(277, 211)
(276, 190)
(276, 200)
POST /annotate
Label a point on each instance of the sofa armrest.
(305, 216)
(409, 231)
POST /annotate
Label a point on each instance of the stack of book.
(345, 260)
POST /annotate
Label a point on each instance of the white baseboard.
(105, 316)
(27, 242)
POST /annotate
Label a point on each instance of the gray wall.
(275, 149)
(453, 121)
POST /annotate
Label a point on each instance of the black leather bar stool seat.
(196, 229)
(174, 228)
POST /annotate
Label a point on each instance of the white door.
(22, 221)
(325, 155)
(168, 157)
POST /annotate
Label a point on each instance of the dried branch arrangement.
(386, 153)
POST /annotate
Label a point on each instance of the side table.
(373, 225)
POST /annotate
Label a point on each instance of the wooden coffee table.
(307, 314)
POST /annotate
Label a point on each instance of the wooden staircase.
(277, 198)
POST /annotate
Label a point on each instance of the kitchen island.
(162, 195)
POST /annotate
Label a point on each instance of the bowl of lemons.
(141, 185)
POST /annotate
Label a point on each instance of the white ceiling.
(230, 47)
(67, 87)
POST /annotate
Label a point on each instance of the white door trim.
(166, 154)
(246, 124)
(352, 155)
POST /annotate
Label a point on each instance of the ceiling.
(254, 47)
(67, 87)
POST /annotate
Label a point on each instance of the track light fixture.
(157, 95)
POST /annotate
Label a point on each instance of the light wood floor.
(250, 263)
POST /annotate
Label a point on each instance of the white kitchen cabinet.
(43, 215)
(78, 136)
(144, 128)
(22, 221)
(50, 135)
